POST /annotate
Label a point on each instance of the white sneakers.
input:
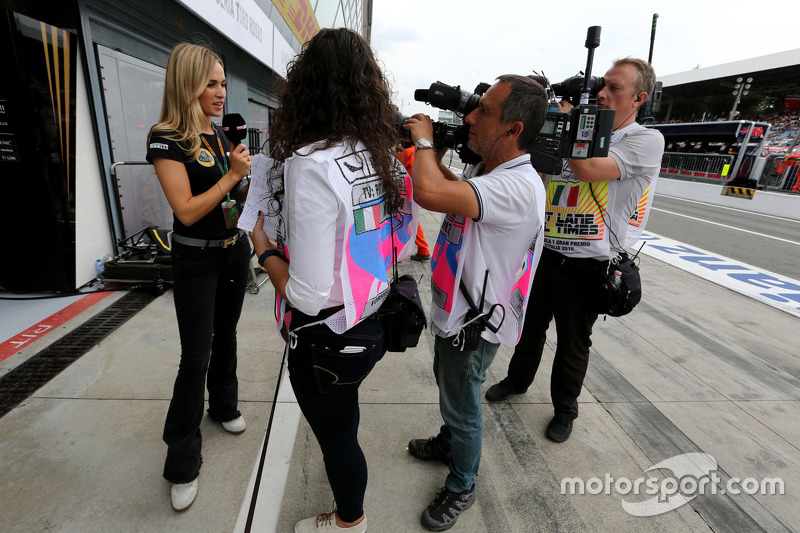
(237, 425)
(326, 523)
(183, 495)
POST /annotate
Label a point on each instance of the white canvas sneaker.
(183, 495)
(326, 523)
(237, 425)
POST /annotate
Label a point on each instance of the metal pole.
(744, 86)
(652, 38)
(736, 103)
(366, 20)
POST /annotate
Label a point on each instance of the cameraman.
(488, 247)
(592, 215)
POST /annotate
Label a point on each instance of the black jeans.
(562, 289)
(209, 292)
(327, 392)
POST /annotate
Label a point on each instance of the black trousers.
(209, 292)
(562, 289)
(325, 370)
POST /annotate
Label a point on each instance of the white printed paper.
(263, 182)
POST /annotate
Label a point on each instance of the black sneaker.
(444, 511)
(420, 257)
(428, 450)
(559, 429)
(500, 391)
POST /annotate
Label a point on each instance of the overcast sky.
(464, 42)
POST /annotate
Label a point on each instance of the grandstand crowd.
(784, 126)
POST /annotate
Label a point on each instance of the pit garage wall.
(763, 202)
(93, 239)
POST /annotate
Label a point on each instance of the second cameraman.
(595, 209)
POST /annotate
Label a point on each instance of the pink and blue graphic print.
(368, 273)
(521, 289)
(447, 253)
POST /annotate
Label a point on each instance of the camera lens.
(452, 98)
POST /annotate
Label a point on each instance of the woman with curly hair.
(210, 256)
(344, 205)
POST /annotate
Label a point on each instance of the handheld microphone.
(235, 128)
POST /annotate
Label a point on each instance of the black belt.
(552, 256)
(208, 243)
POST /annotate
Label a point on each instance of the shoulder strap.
(394, 253)
(483, 317)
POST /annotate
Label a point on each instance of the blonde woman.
(210, 256)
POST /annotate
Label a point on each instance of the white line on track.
(726, 226)
(792, 220)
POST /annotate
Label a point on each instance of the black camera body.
(581, 133)
(445, 134)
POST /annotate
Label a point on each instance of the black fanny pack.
(402, 315)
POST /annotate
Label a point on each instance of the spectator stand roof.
(776, 75)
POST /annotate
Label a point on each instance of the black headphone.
(510, 132)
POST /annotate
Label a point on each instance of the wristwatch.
(424, 143)
(269, 253)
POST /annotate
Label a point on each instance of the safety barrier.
(738, 192)
(783, 174)
(710, 168)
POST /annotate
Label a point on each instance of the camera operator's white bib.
(594, 219)
(505, 240)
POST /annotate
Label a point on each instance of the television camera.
(581, 133)
(445, 134)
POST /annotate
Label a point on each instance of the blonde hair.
(188, 71)
(645, 79)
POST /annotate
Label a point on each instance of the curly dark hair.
(335, 92)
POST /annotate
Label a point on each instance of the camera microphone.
(235, 128)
